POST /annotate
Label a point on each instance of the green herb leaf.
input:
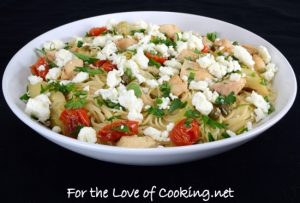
(90, 71)
(168, 42)
(165, 89)
(210, 137)
(75, 103)
(85, 58)
(271, 109)
(122, 128)
(56, 86)
(242, 130)
(197, 51)
(191, 77)
(235, 43)
(212, 123)
(25, 97)
(135, 87)
(176, 104)
(212, 36)
(79, 43)
(192, 114)
(156, 111)
(263, 81)
(152, 62)
(225, 135)
(139, 30)
(110, 119)
(76, 131)
(229, 99)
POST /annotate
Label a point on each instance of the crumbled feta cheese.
(33, 79)
(111, 23)
(120, 61)
(163, 49)
(173, 63)
(157, 134)
(152, 83)
(230, 133)
(145, 90)
(80, 77)
(258, 101)
(141, 24)
(195, 42)
(206, 60)
(198, 85)
(146, 107)
(210, 96)
(270, 72)
(141, 59)
(165, 70)
(165, 103)
(39, 107)
(86, 88)
(113, 78)
(54, 45)
(108, 94)
(41, 68)
(235, 77)
(259, 114)
(231, 65)
(217, 70)
(163, 78)
(139, 35)
(264, 53)
(201, 103)
(153, 29)
(170, 126)
(64, 82)
(108, 52)
(133, 104)
(53, 73)
(180, 45)
(249, 125)
(172, 51)
(62, 57)
(172, 96)
(243, 55)
(87, 134)
(100, 40)
(56, 129)
(135, 70)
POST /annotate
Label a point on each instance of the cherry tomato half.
(105, 65)
(185, 133)
(156, 58)
(114, 131)
(97, 31)
(205, 49)
(35, 68)
(72, 118)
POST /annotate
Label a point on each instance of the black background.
(266, 169)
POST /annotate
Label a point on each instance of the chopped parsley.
(139, 30)
(212, 36)
(197, 51)
(90, 71)
(235, 43)
(191, 77)
(229, 99)
(79, 43)
(154, 110)
(168, 42)
(85, 58)
(56, 86)
(25, 97)
(152, 62)
(122, 128)
(165, 89)
(110, 119)
(210, 137)
(136, 88)
(78, 100)
(176, 104)
(263, 81)
(212, 123)
(76, 131)
(225, 135)
(107, 103)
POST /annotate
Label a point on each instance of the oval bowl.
(17, 71)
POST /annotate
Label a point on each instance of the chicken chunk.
(200, 73)
(224, 43)
(123, 44)
(68, 70)
(226, 87)
(187, 54)
(251, 49)
(169, 29)
(177, 85)
(137, 142)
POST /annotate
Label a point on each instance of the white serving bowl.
(16, 73)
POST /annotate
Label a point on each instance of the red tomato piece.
(114, 131)
(97, 31)
(156, 58)
(105, 65)
(205, 49)
(35, 68)
(185, 134)
(72, 118)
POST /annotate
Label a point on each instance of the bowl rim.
(59, 138)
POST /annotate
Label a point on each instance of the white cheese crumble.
(165, 70)
(80, 77)
(165, 103)
(135, 70)
(249, 125)
(108, 52)
(161, 136)
(108, 94)
(56, 129)
(163, 49)
(133, 104)
(86, 88)
(264, 53)
(172, 96)
(62, 57)
(198, 85)
(206, 60)
(39, 107)
(141, 59)
(152, 83)
(270, 71)
(54, 45)
(163, 78)
(243, 55)
(173, 63)
(231, 65)
(217, 70)
(33, 79)
(262, 106)
(201, 103)
(53, 73)
(235, 77)
(230, 133)
(87, 134)
(113, 78)
(180, 45)
(41, 68)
